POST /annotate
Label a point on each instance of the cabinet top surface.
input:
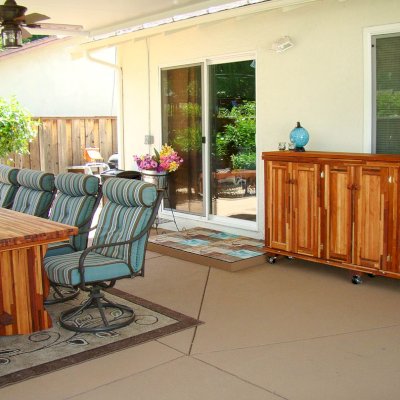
(296, 155)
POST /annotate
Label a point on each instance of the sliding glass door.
(233, 140)
(209, 117)
(182, 129)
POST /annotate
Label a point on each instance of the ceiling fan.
(14, 22)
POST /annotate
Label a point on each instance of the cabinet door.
(278, 205)
(338, 212)
(371, 216)
(392, 263)
(306, 208)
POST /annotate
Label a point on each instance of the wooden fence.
(61, 142)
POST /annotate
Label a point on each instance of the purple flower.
(165, 160)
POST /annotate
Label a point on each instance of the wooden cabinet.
(293, 212)
(336, 208)
(356, 204)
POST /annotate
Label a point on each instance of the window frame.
(369, 142)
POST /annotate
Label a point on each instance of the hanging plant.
(17, 128)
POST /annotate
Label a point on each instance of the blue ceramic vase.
(299, 136)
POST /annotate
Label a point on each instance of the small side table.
(79, 169)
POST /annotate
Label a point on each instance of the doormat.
(211, 248)
(27, 356)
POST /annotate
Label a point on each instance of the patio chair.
(118, 252)
(8, 185)
(35, 194)
(77, 199)
(94, 160)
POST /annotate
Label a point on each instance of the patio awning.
(155, 25)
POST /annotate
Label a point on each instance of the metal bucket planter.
(156, 178)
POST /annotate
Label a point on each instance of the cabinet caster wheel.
(290, 257)
(371, 275)
(356, 279)
(272, 259)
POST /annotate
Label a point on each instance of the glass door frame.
(240, 223)
(200, 63)
(206, 149)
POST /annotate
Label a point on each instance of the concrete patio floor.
(292, 330)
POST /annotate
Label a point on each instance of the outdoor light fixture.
(11, 36)
(282, 44)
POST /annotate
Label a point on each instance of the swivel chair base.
(60, 294)
(78, 319)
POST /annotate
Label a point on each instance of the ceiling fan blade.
(32, 18)
(57, 29)
(25, 33)
(61, 27)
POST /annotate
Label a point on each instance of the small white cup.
(282, 146)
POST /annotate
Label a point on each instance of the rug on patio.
(210, 247)
(28, 356)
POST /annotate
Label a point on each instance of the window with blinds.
(387, 94)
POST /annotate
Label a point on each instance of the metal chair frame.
(96, 298)
(62, 293)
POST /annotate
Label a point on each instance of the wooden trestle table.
(23, 283)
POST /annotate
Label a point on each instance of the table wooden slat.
(23, 282)
(19, 229)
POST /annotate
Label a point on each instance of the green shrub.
(241, 133)
(188, 139)
(17, 128)
(244, 161)
(388, 103)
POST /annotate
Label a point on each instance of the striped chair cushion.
(8, 175)
(7, 194)
(37, 180)
(73, 211)
(129, 193)
(117, 224)
(34, 196)
(73, 205)
(64, 270)
(77, 184)
(8, 185)
(60, 248)
(31, 201)
(125, 214)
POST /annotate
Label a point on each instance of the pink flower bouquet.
(166, 160)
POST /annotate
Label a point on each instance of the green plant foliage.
(17, 128)
(231, 80)
(388, 103)
(188, 139)
(244, 161)
(190, 109)
(240, 135)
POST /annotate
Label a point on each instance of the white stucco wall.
(320, 81)
(49, 83)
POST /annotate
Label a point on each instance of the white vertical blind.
(387, 95)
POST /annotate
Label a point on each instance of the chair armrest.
(87, 230)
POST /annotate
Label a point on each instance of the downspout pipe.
(120, 113)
